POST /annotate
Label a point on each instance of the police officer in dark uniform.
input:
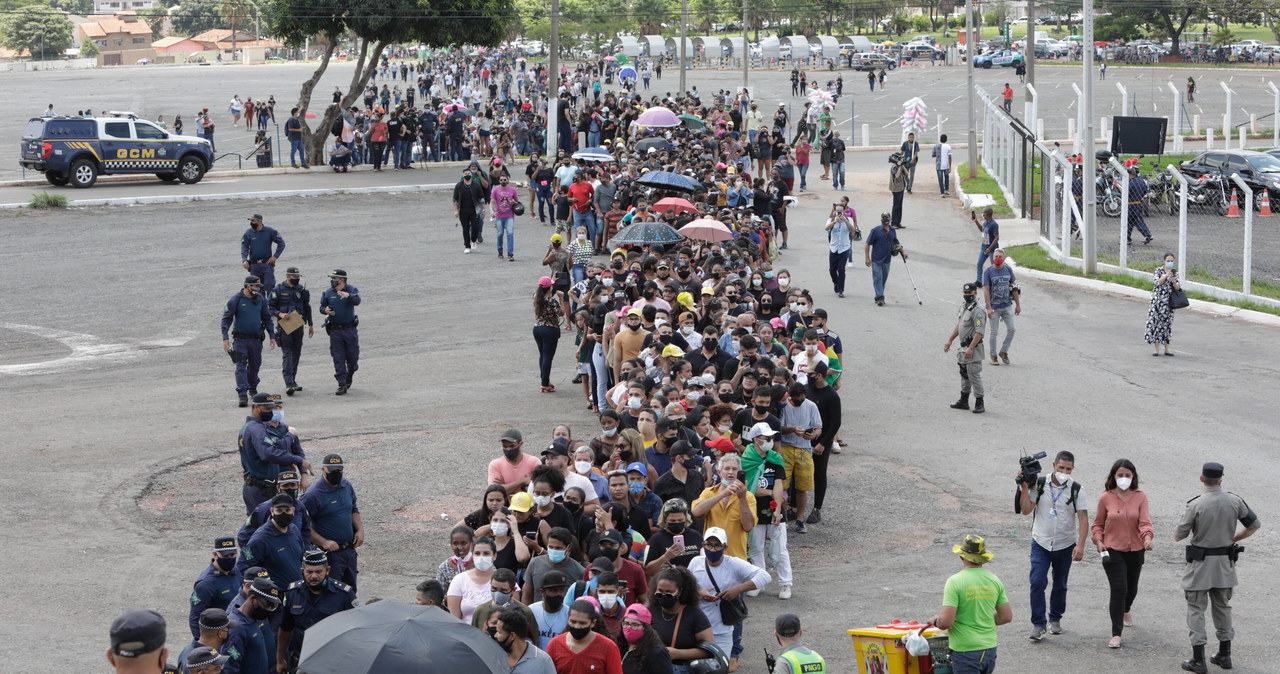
(339, 303)
(204, 660)
(307, 602)
(247, 644)
(1210, 520)
(256, 253)
(286, 298)
(247, 319)
(215, 627)
(287, 482)
(1137, 210)
(336, 524)
(263, 453)
(970, 329)
(277, 545)
(217, 584)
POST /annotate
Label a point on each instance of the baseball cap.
(521, 502)
(1212, 470)
(637, 467)
(716, 533)
(332, 461)
(253, 573)
(338, 273)
(265, 587)
(681, 448)
(612, 535)
(634, 312)
(787, 625)
(293, 271)
(214, 619)
(252, 280)
(556, 238)
(287, 477)
(672, 351)
(820, 313)
(554, 578)
(545, 282)
(255, 216)
(639, 613)
(266, 398)
(760, 429)
(282, 500)
(602, 563)
(513, 435)
(224, 544)
(202, 656)
(558, 447)
(723, 444)
(970, 288)
(137, 632)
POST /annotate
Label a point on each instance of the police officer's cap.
(820, 313)
(332, 461)
(255, 218)
(214, 619)
(252, 280)
(787, 625)
(265, 588)
(315, 557)
(282, 500)
(288, 477)
(293, 271)
(224, 544)
(970, 288)
(137, 632)
(266, 398)
(204, 656)
(338, 273)
(1212, 470)
(254, 572)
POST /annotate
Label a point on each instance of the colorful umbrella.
(706, 229)
(675, 204)
(611, 58)
(657, 116)
(622, 58)
(667, 180)
(693, 123)
(627, 73)
(593, 154)
(646, 233)
(656, 143)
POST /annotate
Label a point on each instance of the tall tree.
(155, 18)
(651, 14)
(37, 30)
(82, 7)
(1171, 16)
(195, 16)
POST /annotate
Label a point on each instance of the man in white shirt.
(1060, 513)
(813, 351)
(724, 577)
(557, 456)
(942, 163)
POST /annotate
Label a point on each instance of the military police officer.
(335, 519)
(249, 323)
(287, 482)
(217, 584)
(215, 627)
(255, 250)
(1210, 520)
(247, 644)
(277, 545)
(264, 451)
(339, 303)
(969, 328)
(307, 602)
(288, 298)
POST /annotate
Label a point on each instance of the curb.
(1211, 308)
(181, 198)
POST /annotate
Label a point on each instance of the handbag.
(732, 611)
(1178, 299)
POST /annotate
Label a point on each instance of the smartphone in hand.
(677, 541)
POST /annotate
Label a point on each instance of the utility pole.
(746, 49)
(1029, 51)
(971, 50)
(684, 40)
(1090, 215)
(553, 84)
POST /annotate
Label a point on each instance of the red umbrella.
(675, 204)
(706, 229)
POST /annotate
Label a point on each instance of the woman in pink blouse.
(1122, 532)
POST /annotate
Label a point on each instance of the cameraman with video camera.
(1059, 526)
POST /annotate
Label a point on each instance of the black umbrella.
(656, 143)
(645, 233)
(389, 637)
(666, 180)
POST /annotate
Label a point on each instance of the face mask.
(264, 416)
(676, 527)
(635, 487)
(610, 432)
(624, 454)
(607, 600)
(579, 633)
(634, 403)
(665, 600)
(762, 409)
(225, 564)
(784, 282)
(1124, 483)
(686, 330)
(500, 529)
(557, 556)
(632, 634)
(690, 464)
(583, 467)
(766, 445)
(333, 284)
(542, 501)
(483, 563)
(255, 292)
(506, 645)
(291, 492)
(768, 274)
(757, 282)
(1168, 265)
(608, 553)
(713, 556)
(501, 598)
(1062, 478)
(553, 603)
(794, 307)
(970, 299)
(333, 477)
(572, 506)
(282, 519)
(511, 454)
(725, 428)
(607, 281)
(493, 629)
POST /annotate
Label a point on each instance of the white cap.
(757, 431)
(717, 533)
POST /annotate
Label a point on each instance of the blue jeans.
(585, 219)
(296, 150)
(737, 649)
(837, 174)
(944, 180)
(546, 204)
(593, 139)
(973, 662)
(879, 274)
(1041, 560)
(578, 272)
(982, 262)
(506, 226)
(804, 173)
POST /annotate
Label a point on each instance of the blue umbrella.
(627, 72)
(593, 154)
(666, 180)
(646, 233)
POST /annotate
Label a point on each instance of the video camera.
(1030, 467)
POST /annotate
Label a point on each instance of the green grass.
(45, 200)
(984, 184)
(1032, 256)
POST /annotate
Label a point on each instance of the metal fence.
(1007, 149)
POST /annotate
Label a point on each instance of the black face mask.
(511, 454)
(690, 464)
(762, 409)
(264, 416)
(648, 294)
(508, 644)
(970, 299)
(676, 527)
(579, 633)
(290, 492)
(294, 282)
(282, 519)
(333, 283)
(552, 603)
(572, 506)
(492, 630)
(333, 477)
(624, 454)
(666, 601)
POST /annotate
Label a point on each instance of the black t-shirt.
(661, 541)
(558, 517)
(505, 557)
(668, 487)
(691, 620)
(760, 203)
(743, 422)
(530, 170)
(771, 473)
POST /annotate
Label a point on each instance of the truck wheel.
(56, 178)
(190, 170)
(84, 173)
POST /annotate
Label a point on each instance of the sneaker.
(785, 592)
(1055, 627)
(814, 517)
(466, 250)
(511, 258)
(1037, 633)
(801, 528)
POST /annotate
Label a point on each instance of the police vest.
(805, 663)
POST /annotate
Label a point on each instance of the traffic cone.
(1266, 204)
(1233, 211)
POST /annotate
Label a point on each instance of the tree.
(38, 30)
(705, 13)
(195, 16)
(81, 7)
(1116, 27)
(651, 14)
(155, 18)
(88, 49)
(1171, 15)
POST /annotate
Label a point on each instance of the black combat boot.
(1196, 663)
(1223, 658)
(244, 400)
(342, 390)
(962, 403)
(253, 391)
(978, 407)
(289, 391)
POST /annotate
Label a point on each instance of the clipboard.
(290, 322)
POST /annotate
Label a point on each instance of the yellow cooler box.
(878, 650)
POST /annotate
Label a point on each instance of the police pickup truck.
(77, 150)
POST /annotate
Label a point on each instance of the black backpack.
(336, 129)
(1071, 501)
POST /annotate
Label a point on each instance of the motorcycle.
(1209, 192)
(1107, 186)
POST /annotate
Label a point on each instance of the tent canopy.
(629, 45)
(735, 47)
(769, 48)
(830, 45)
(673, 47)
(799, 46)
(654, 45)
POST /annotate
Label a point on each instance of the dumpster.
(878, 649)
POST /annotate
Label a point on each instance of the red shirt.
(599, 657)
(1008, 93)
(637, 581)
(580, 193)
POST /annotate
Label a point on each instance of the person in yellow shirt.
(728, 505)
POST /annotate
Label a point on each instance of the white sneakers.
(467, 251)
(785, 592)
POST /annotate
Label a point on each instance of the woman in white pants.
(763, 472)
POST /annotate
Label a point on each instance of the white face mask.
(1062, 478)
(606, 281)
(1123, 483)
(542, 501)
(784, 282)
(483, 563)
(724, 429)
(634, 403)
(686, 330)
(693, 395)
(583, 467)
(766, 445)
(610, 432)
(500, 529)
(795, 307)
(607, 600)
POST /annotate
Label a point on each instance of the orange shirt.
(1122, 523)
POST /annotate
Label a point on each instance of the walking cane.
(913, 280)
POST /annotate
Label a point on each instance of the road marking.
(84, 349)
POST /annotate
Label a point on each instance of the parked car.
(874, 61)
(1258, 169)
(76, 150)
(1006, 58)
(923, 51)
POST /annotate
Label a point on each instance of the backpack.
(336, 128)
(1071, 501)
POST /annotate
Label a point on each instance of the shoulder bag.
(732, 611)
(1178, 299)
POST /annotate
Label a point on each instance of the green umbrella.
(622, 58)
(692, 122)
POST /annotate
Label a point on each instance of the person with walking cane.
(882, 244)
